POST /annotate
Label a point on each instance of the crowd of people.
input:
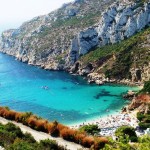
(109, 124)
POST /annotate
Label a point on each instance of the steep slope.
(45, 40)
(127, 61)
(64, 39)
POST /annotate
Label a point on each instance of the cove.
(56, 95)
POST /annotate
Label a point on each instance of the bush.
(79, 137)
(40, 125)
(61, 127)
(31, 121)
(146, 88)
(68, 134)
(126, 132)
(9, 114)
(133, 139)
(3, 111)
(16, 131)
(100, 143)
(21, 145)
(90, 129)
(140, 116)
(144, 120)
(29, 138)
(87, 141)
(18, 117)
(10, 139)
(52, 128)
(144, 125)
(24, 117)
(48, 145)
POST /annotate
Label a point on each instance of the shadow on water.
(104, 93)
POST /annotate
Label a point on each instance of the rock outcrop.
(82, 43)
(141, 74)
(46, 40)
(118, 22)
(141, 102)
(57, 40)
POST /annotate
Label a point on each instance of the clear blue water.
(69, 99)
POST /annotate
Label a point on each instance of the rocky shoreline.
(118, 22)
(91, 77)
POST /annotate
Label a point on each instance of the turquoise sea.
(55, 95)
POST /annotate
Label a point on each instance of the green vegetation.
(126, 134)
(86, 20)
(55, 129)
(12, 138)
(142, 144)
(74, 22)
(146, 88)
(127, 53)
(90, 129)
(144, 120)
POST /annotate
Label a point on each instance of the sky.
(14, 12)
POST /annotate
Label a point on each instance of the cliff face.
(46, 40)
(62, 38)
(120, 21)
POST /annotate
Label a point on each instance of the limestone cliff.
(61, 39)
(46, 40)
(120, 21)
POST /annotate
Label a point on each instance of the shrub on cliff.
(146, 88)
(144, 120)
(140, 116)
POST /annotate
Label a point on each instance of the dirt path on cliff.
(41, 135)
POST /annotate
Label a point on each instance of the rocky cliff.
(65, 38)
(120, 21)
(46, 40)
(141, 103)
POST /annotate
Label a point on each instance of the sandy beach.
(110, 123)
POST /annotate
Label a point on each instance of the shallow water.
(68, 99)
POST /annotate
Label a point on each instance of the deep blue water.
(68, 99)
